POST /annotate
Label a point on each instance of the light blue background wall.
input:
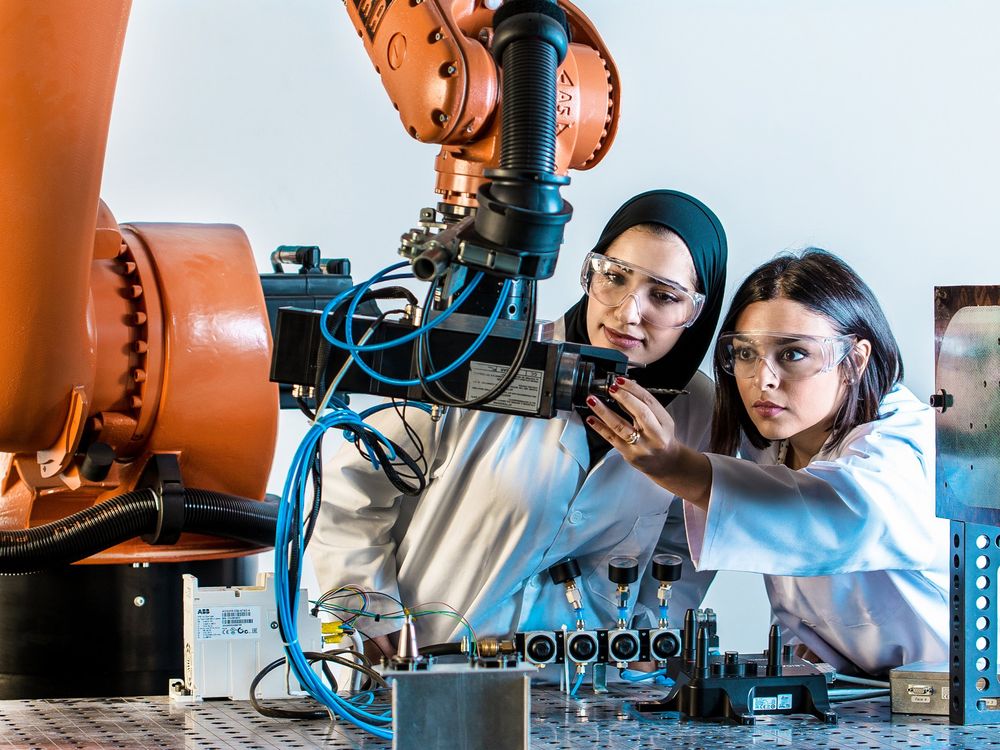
(868, 127)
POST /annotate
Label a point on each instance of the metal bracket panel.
(967, 375)
(975, 684)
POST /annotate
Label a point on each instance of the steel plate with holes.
(967, 379)
(557, 721)
(968, 428)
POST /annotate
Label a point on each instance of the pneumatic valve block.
(616, 646)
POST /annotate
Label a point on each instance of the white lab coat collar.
(574, 434)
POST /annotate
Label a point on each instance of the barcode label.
(780, 702)
(227, 622)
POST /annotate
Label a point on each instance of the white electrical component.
(230, 634)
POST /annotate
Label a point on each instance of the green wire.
(334, 609)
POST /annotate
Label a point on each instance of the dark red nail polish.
(591, 401)
(619, 381)
(612, 389)
(591, 421)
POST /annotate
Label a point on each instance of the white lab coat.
(509, 497)
(855, 561)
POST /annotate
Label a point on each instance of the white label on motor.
(781, 702)
(945, 692)
(524, 394)
(920, 698)
(227, 622)
(765, 703)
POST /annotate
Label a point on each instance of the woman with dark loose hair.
(826, 285)
(831, 496)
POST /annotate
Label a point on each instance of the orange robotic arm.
(435, 63)
(153, 339)
(145, 338)
(127, 346)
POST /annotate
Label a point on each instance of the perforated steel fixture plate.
(967, 378)
(557, 721)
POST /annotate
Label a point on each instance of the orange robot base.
(180, 351)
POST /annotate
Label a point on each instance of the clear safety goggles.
(790, 356)
(661, 302)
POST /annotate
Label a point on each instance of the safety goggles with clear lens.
(790, 356)
(662, 303)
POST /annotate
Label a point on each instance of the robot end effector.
(440, 63)
(502, 215)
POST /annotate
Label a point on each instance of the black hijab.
(693, 222)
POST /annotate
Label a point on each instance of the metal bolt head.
(942, 400)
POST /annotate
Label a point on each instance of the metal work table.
(587, 721)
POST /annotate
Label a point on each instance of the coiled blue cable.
(461, 360)
(289, 529)
(659, 676)
(355, 294)
(389, 405)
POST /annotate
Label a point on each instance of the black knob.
(774, 652)
(751, 668)
(582, 647)
(97, 462)
(624, 647)
(701, 650)
(540, 649)
(564, 570)
(732, 663)
(688, 635)
(623, 570)
(667, 567)
(338, 267)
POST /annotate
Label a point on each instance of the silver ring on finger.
(633, 438)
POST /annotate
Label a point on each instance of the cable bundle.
(295, 525)
(428, 376)
(288, 548)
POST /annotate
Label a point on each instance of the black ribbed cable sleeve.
(528, 140)
(80, 535)
(233, 517)
(95, 529)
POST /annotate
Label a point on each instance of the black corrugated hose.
(528, 132)
(126, 516)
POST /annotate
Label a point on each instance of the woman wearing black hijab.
(662, 218)
(510, 496)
